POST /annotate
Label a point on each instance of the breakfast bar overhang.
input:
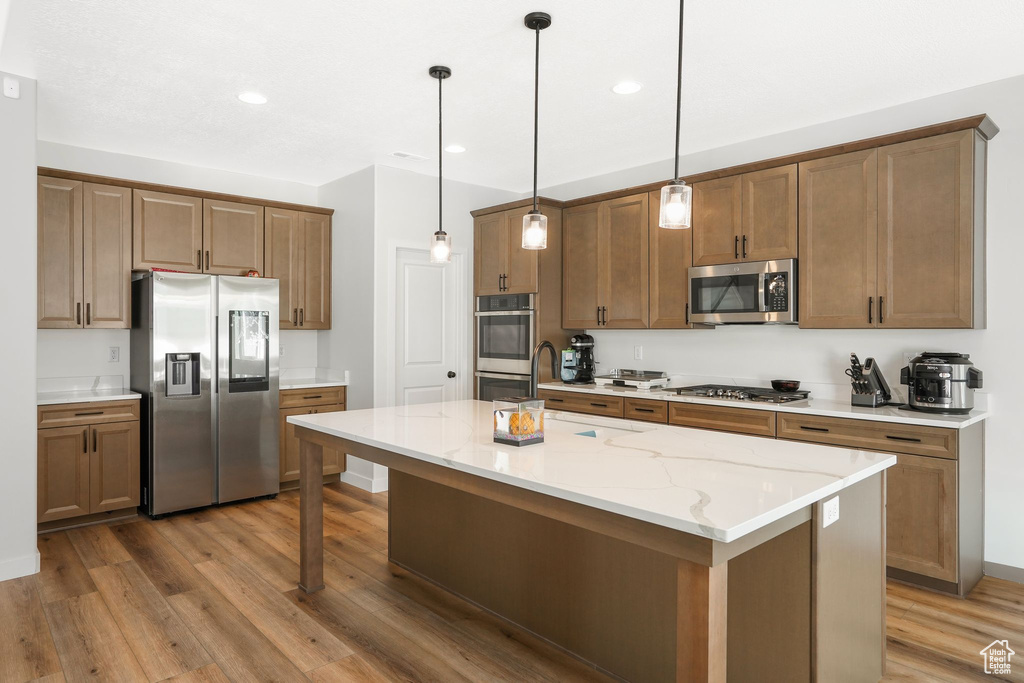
(655, 553)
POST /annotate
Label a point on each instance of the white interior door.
(430, 328)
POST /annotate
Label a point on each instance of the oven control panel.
(504, 302)
(776, 292)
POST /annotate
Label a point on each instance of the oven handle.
(501, 375)
(488, 314)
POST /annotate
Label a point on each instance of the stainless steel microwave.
(755, 292)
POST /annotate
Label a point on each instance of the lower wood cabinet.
(307, 402)
(723, 418)
(90, 464)
(579, 402)
(921, 532)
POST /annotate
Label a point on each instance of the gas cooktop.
(735, 393)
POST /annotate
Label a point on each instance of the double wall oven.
(505, 337)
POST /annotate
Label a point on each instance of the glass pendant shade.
(675, 206)
(535, 230)
(441, 247)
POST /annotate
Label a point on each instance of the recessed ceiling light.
(627, 87)
(455, 149)
(250, 97)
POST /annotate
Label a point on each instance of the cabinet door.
(62, 462)
(107, 256)
(521, 271)
(838, 246)
(289, 444)
(490, 248)
(623, 257)
(925, 232)
(232, 238)
(921, 526)
(114, 466)
(283, 260)
(59, 218)
(769, 214)
(167, 231)
(315, 234)
(580, 266)
(717, 217)
(670, 258)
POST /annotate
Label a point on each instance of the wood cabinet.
(167, 231)
(921, 531)
(722, 418)
(646, 410)
(605, 264)
(84, 255)
(232, 237)
(501, 265)
(888, 236)
(671, 255)
(298, 254)
(580, 402)
(748, 217)
(87, 459)
(307, 402)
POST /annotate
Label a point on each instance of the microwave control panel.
(776, 292)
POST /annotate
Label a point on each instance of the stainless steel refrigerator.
(204, 356)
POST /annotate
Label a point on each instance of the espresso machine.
(578, 360)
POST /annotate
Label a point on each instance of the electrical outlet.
(830, 512)
(114, 355)
(638, 353)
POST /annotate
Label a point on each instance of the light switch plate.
(830, 512)
(12, 88)
(638, 353)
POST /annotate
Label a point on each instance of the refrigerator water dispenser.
(182, 374)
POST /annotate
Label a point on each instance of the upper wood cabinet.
(671, 256)
(500, 264)
(298, 254)
(748, 217)
(887, 236)
(84, 255)
(232, 238)
(167, 231)
(605, 264)
(838, 245)
(925, 232)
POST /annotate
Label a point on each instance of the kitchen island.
(653, 552)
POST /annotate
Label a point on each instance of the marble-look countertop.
(710, 484)
(812, 406)
(49, 398)
(310, 383)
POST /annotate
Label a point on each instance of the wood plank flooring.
(210, 596)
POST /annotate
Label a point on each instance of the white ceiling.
(347, 81)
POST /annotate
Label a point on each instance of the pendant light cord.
(440, 156)
(536, 97)
(679, 86)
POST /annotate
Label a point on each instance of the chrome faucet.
(535, 371)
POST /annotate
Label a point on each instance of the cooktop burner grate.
(736, 393)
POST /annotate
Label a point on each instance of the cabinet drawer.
(646, 410)
(591, 404)
(723, 419)
(322, 396)
(76, 414)
(936, 442)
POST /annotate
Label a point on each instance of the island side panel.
(311, 516)
(611, 603)
(848, 598)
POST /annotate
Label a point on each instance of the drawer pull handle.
(903, 438)
(599, 405)
(94, 412)
(555, 400)
(311, 397)
(814, 429)
(644, 410)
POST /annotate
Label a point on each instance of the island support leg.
(701, 620)
(311, 516)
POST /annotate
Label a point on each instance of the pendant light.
(676, 196)
(535, 224)
(441, 242)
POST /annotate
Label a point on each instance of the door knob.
(451, 374)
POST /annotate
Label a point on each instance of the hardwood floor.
(210, 596)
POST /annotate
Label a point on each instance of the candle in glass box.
(519, 421)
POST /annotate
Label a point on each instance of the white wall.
(18, 555)
(764, 352)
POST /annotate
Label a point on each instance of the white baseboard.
(1004, 571)
(360, 481)
(19, 566)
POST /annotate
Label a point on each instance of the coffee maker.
(578, 362)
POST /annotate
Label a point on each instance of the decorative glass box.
(519, 421)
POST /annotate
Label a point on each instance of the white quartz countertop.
(812, 406)
(310, 383)
(48, 398)
(710, 484)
